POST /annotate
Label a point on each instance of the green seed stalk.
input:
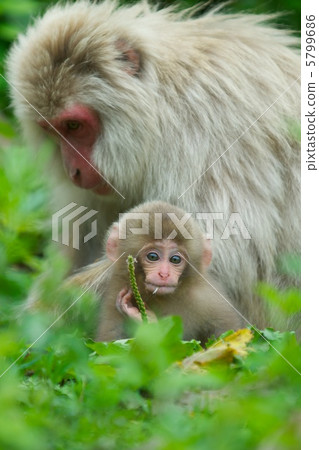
(137, 295)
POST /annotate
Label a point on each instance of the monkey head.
(69, 90)
(161, 262)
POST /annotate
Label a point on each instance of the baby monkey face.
(163, 263)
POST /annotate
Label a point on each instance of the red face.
(77, 129)
(163, 263)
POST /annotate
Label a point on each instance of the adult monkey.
(156, 100)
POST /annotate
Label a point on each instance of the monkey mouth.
(160, 290)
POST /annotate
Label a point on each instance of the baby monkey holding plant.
(172, 276)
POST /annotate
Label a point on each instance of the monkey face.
(163, 263)
(77, 129)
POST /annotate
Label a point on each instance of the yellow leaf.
(223, 350)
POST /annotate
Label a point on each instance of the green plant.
(136, 293)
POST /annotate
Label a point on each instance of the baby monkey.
(172, 258)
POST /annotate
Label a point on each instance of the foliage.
(59, 389)
(68, 393)
(22, 220)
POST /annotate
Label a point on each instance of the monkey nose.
(75, 175)
(164, 275)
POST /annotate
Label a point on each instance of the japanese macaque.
(172, 261)
(147, 104)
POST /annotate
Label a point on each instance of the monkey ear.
(207, 253)
(130, 56)
(112, 243)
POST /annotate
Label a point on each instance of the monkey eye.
(152, 256)
(175, 259)
(72, 125)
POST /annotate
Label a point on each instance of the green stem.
(137, 295)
